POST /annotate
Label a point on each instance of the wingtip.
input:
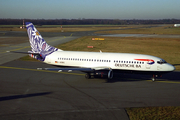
(39, 69)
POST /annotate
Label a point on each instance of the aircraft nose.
(171, 68)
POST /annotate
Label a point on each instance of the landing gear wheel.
(87, 76)
(154, 78)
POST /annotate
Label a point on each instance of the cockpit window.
(161, 61)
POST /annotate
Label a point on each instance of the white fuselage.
(115, 61)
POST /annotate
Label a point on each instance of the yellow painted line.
(169, 82)
(16, 49)
(3, 33)
(16, 68)
(165, 81)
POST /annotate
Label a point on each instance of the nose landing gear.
(154, 77)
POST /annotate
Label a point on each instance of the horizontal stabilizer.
(23, 52)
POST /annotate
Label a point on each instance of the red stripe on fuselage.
(145, 60)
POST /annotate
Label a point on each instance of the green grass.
(154, 113)
(168, 30)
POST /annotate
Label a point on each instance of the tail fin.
(37, 43)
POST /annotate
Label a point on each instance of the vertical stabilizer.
(37, 43)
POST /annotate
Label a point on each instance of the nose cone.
(171, 67)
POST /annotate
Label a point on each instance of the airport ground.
(27, 93)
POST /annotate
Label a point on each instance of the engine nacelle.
(110, 74)
(103, 74)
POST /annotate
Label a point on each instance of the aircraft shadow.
(127, 77)
(23, 96)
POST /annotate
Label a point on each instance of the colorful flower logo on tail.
(38, 44)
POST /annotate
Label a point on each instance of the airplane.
(102, 64)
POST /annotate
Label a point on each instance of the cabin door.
(148, 66)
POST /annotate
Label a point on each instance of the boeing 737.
(101, 64)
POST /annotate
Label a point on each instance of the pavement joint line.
(28, 69)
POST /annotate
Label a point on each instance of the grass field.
(168, 30)
(154, 113)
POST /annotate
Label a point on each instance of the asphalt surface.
(27, 93)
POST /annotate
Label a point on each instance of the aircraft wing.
(67, 69)
(75, 69)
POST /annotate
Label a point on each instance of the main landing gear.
(102, 74)
(87, 75)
